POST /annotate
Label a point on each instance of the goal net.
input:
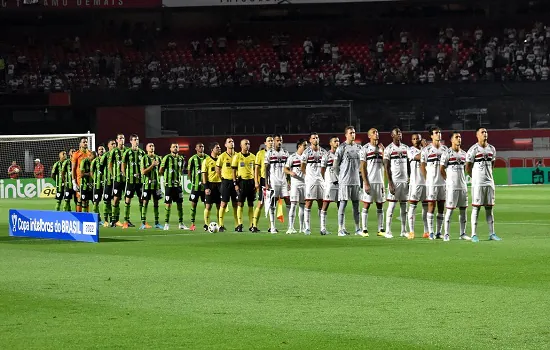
(25, 149)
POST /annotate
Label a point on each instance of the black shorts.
(59, 193)
(196, 195)
(156, 194)
(97, 194)
(108, 193)
(69, 193)
(85, 195)
(173, 194)
(215, 196)
(247, 191)
(228, 192)
(132, 189)
(260, 191)
(118, 189)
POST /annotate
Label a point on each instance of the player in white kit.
(430, 165)
(293, 168)
(417, 185)
(347, 163)
(275, 177)
(311, 166)
(452, 170)
(331, 181)
(372, 173)
(395, 163)
(479, 165)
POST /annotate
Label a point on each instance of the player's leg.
(462, 204)
(489, 215)
(157, 195)
(78, 198)
(225, 197)
(451, 202)
(145, 197)
(430, 194)
(179, 205)
(84, 199)
(343, 197)
(323, 218)
(294, 202)
(168, 199)
(250, 196)
(440, 198)
(301, 208)
(366, 198)
(476, 203)
(413, 197)
(355, 198)
(275, 194)
(58, 198)
(96, 198)
(240, 207)
(235, 205)
(108, 207)
(380, 218)
(194, 198)
(118, 191)
(68, 197)
(128, 196)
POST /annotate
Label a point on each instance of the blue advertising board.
(67, 226)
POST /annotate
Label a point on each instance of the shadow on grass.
(27, 240)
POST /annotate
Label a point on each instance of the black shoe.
(113, 223)
(273, 230)
(239, 228)
(438, 236)
(130, 224)
(254, 229)
(222, 229)
(205, 227)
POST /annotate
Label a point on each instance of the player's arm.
(287, 169)
(144, 169)
(364, 174)
(494, 157)
(303, 159)
(423, 160)
(337, 160)
(162, 165)
(191, 166)
(443, 166)
(470, 162)
(257, 169)
(235, 167)
(219, 165)
(387, 166)
(125, 157)
(74, 166)
(55, 170)
(204, 176)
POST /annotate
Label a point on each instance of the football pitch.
(181, 289)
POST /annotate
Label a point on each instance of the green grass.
(240, 291)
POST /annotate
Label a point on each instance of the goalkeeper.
(58, 179)
(85, 180)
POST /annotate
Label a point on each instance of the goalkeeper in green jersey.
(97, 180)
(149, 166)
(86, 181)
(107, 184)
(131, 160)
(119, 181)
(194, 175)
(171, 169)
(67, 179)
(58, 179)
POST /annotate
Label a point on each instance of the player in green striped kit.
(131, 159)
(119, 181)
(194, 175)
(171, 169)
(86, 181)
(67, 178)
(107, 184)
(56, 176)
(150, 185)
(98, 179)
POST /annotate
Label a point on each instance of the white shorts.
(375, 195)
(349, 193)
(483, 196)
(314, 191)
(401, 192)
(456, 199)
(330, 194)
(435, 193)
(417, 193)
(280, 191)
(297, 193)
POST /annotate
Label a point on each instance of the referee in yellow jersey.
(227, 190)
(259, 179)
(243, 180)
(212, 182)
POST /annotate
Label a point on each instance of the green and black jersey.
(67, 173)
(97, 172)
(86, 182)
(132, 159)
(194, 166)
(173, 168)
(151, 179)
(115, 164)
(104, 165)
(56, 175)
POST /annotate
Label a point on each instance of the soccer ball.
(16, 170)
(213, 227)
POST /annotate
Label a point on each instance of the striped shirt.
(115, 163)
(173, 168)
(195, 163)
(56, 175)
(131, 160)
(150, 180)
(97, 172)
(86, 182)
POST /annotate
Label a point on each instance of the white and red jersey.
(397, 156)
(373, 156)
(454, 162)
(416, 178)
(312, 159)
(431, 156)
(327, 162)
(294, 163)
(276, 161)
(482, 159)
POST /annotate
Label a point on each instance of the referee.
(243, 180)
(227, 190)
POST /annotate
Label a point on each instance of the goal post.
(25, 149)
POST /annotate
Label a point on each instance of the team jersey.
(224, 163)
(454, 163)
(76, 158)
(294, 163)
(312, 160)
(86, 182)
(397, 156)
(330, 174)
(104, 164)
(416, 178)
(115, 162)
(56, 175)
(131, 159)
(209, 167)
(431, 155)
(97, 172)
(260, 157)
(482, 159)
(66, 170)
(244, 164)
(347, 162)
(194, 166)
(173, 168)
(276, 161)
(373, 156)
(150, 180)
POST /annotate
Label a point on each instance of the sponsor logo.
(14, 221)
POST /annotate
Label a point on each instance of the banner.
(23, 188)
(80, 4)
(535, 176)
(67, 226)
(194, 3)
